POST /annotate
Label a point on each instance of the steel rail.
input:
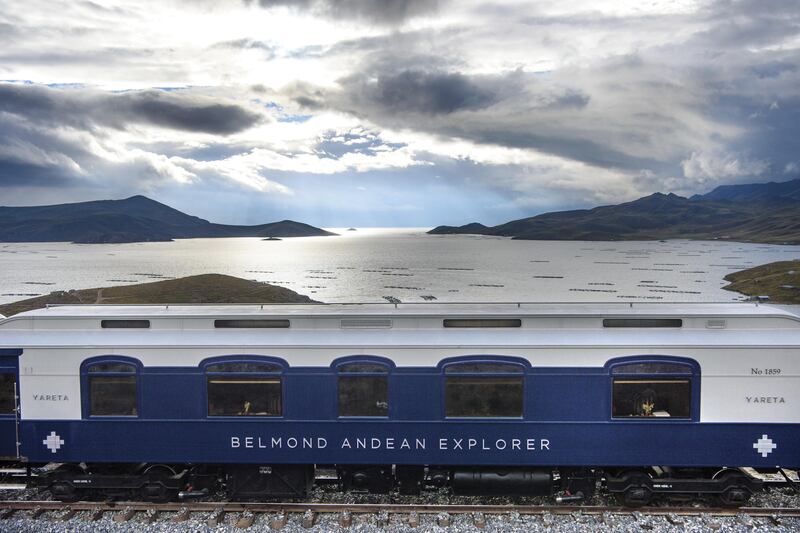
(374, 508)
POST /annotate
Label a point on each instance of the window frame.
(523, 365)
(337, 366)
(228, 359)
(692, 373)
(86, 400)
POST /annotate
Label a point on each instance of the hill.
(759, 216)
(134, 219)
(787, 191)
(206, 288)
(780, 281)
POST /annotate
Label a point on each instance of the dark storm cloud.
(388, 12)
(425, 92)
(16, 174)
(87, 109)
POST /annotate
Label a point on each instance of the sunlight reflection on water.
(370, 264)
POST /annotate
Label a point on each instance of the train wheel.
(62, 487)
(638, 492)
(64, 491)
(155, 488)
(735, 492)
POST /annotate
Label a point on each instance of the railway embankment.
(201, 289)
(780, 281)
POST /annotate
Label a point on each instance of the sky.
(394, 112)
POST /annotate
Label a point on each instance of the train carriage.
(645, 399)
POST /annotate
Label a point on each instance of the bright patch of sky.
(393, 112)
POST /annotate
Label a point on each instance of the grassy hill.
(206, 288)
(780, 281)
(768, 213)
(134, 219)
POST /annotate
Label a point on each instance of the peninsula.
(134, 219)
(780, 281)
(202, 289)
(762, 212)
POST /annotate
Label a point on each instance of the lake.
(403, 263)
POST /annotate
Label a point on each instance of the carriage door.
(9, 403)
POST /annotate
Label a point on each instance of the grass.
(205, 288)
(773, 280)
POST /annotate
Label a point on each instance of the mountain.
(763, 213)
(134, 219)
(787, 191)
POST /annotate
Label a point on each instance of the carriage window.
(244, 389)
(483, 390)
(112, 389)
(363, 389)
(645, 390)
(7, 400)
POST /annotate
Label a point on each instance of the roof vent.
(251, 323)
(716, 324)
(365, 323)
(124, 324)
(642, 323)
(482, 323)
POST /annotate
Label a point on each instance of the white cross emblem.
(764, 445)
(54, 442)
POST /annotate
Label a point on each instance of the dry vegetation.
(780, 281)
(206, 288)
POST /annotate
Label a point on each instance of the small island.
(780, 281)
(202, 289)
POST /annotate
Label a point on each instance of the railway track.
(277, 514)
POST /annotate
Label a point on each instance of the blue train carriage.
(642, 400)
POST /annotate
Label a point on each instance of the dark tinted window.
(7, 400)
(652, 368)
(482, 322)
(373, 368)
(244, 366)
(651, 398)
(112, 389)
(126, 368)
(486, 368)
(251, 396)
(107, 324)
(363, 389)
(363, 395)
(475, 396)
(249, 323)
(642, 323)
(112, 395)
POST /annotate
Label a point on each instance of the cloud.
(714, 168)
(86, 108)
(534, 105)
(414, 91)
(390, 12)
(267, 49)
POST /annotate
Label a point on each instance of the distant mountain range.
(134, 219)
(759, 212)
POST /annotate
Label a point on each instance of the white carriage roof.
(414, 309)
(441, 338)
